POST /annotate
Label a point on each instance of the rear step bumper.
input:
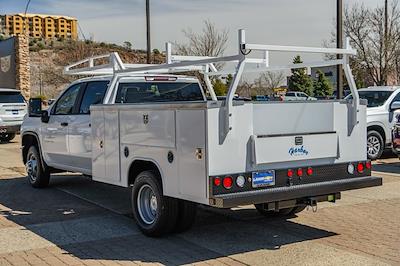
(293, 192)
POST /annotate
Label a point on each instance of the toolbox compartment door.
(285, 148)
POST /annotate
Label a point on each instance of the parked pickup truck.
(382, 103)
(12, 112)
(141, 126)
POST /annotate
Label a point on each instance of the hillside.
(47, 62)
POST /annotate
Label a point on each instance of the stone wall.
(23, 80)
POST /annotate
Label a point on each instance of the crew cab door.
(55, 132)
(79, 130)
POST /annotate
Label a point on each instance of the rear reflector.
(368, 165)
(217, 181)
(227, 182)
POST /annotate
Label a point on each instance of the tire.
(298, 209)
(7, 137)
(186, 216)
(375, 145)
(38, 175)
(282, 212)
(154, 213)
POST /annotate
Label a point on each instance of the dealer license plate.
(263, 179)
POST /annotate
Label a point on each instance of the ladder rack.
(206, 66)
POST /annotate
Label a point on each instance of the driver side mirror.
(45, 117)
(35, 107)
(395, 106)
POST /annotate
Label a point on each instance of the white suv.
(382, 102)
(298, 96)
(12, 112)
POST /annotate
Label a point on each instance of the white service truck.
(144, 127)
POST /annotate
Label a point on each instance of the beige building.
(39, 26)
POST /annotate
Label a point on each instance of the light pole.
(26, 10)
(386, 41)
(148, 31)
(339, 38)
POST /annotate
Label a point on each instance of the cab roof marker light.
(161, 78)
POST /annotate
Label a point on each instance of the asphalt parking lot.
(79, 222)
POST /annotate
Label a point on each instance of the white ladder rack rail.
(205, 65)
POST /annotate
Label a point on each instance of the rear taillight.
(217, 181)
(290, 173)
(299, 172)
(227, 182)
(310, 171)
(360, 167)
(368, 165)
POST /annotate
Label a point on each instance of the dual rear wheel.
(156, 214)
(287, 212)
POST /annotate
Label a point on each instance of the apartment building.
(39, 26)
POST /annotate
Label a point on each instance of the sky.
(285, 22)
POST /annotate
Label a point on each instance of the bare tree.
(246, 88)
(209, 42)
(272, 80)
(378, 50)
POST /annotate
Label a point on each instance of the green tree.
(322, 85)
(229, 80)
(299, 80)
(128, 45)
(220, 88)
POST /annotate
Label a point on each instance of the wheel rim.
(32, 167)
(147, 204)
(374, 146)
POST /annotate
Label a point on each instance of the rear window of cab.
(146, 92)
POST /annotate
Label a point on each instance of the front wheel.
(154, 213)
(7, 137)
(38, 174)
(375, 145)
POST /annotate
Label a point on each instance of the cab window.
(65, 105)
(94, 94)
(144, 92)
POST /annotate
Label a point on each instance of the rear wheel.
(154, 213)
(375, 145)
(38, 174)
(7, 137)
(298, 209)
(261, 208)
(186, 215)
